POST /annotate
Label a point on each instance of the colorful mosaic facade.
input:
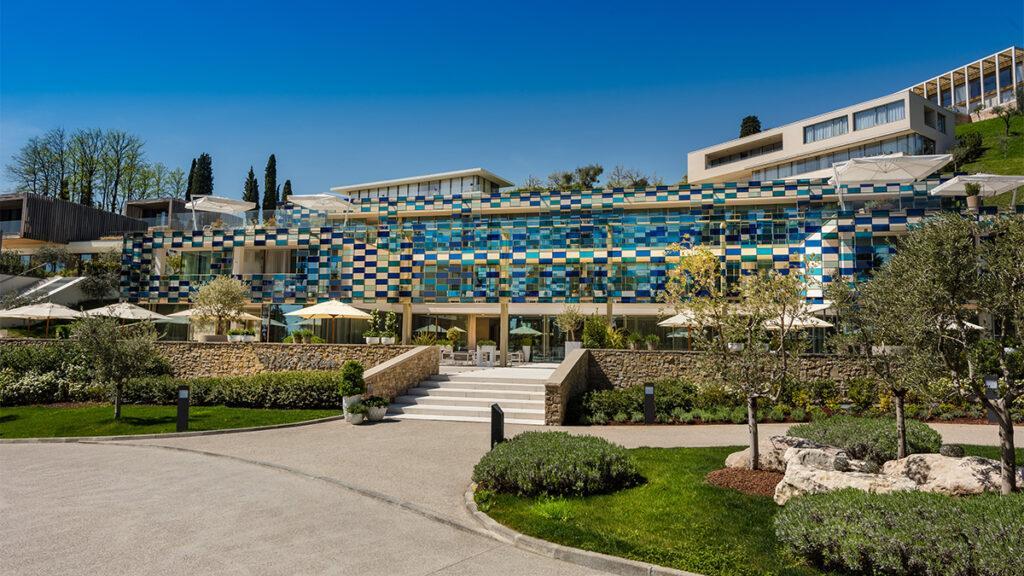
(547, 247)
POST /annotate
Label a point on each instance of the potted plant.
(569, 322)
(488, 349)
(357, 413)
(454, 337)
(527, 345)
(390, 331)
(373, 332)
(235, 335)
(352, 385)
(652, 341)
(634, 340)
(371, 337)
(377, 407)
(248, 335)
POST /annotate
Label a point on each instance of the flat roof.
(486, 174)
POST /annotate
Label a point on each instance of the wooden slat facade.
(60, 222)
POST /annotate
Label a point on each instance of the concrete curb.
(91, 439)
(595, 560)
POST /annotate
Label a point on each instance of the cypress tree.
(270, 185)
(202, 179)
(188, 183)
(251, 192)
(287, 191)
(749, 126)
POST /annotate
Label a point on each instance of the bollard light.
(649, 404)
(183, 399)
(497, 425)
(992, 393)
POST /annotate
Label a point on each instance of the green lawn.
(996, 158)
(98, 419)
(674, 520)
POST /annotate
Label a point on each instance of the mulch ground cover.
(753, 482)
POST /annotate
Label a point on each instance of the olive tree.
(118, 353)
(220, 301)
(955, 272)
(749, 337)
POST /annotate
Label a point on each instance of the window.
(941, 120)
(737, 156)
(827, 129)
(884, 114)
(929, 117)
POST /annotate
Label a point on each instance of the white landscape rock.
(772, 455)
(949, 475)
(812, 471)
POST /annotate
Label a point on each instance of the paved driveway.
(323, 499)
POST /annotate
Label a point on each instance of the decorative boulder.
(772, 456)
(812, 471)
(949, 475)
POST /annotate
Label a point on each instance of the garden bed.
(753, 482)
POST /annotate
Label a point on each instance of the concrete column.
(546, 336)
(471, 331)
(407, 323)
(999, 90)
(503, 330)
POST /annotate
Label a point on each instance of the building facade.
(481, 259)
(899, 123)
(979, 85)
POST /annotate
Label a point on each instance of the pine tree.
(65, 193)
(251, 192)
(270, 185)
(188, 183)
(287, 191)
(202, 179)
(750, 125)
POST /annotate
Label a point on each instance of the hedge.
(556, 463)
(906, 533)
(871, 439)
(309, 389)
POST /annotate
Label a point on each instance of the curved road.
(329, 498)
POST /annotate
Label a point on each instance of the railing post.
(497, 425)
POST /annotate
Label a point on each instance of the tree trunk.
(755, 456)
(1008, 468)
(901, 425)
(118, 390)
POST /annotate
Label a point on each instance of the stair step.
(524, 421)
(451, 410)
(478, 378)
(477, 393)
(474, 385)
(505, 403)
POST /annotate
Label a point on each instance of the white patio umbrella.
(684, 319)
(126, 311)
(991, 185)
(329, 203)
(42, 311)
(332, 310)
(244, 316)
(797, 323)
(436, 328)
(892, 168)
(217, 204)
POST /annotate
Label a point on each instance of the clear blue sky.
(346, 92)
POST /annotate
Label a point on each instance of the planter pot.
(377, 413)
(571, 345)
(355, 418)
(389, 340)
(734, 346)
(526, 353)
(372, 339)
(235, 338)
(347, 401)
(652, 346)
(973, 202)
(248, 338)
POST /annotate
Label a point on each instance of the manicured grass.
(98, 419)
(995, 159)
(992, 452)
(675, 519)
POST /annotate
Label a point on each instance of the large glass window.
(884, 114)
(911, 144)
(827, 129)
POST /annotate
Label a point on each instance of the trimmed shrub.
(871, 439)
(912, 533)
(556, 463)
(264, 390)
(669, 395)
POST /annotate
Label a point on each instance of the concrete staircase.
(466, 396)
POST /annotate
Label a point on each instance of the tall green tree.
(286, 191)
(270, 185)
(251, 190)
(65, 191)
(202, 179)
(750, 125)
(188, 181)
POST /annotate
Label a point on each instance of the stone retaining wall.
(567, 381)
(192, 359)
(627, 368)
(394, 377)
